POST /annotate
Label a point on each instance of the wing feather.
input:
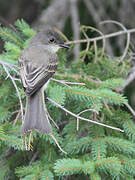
(34, 76)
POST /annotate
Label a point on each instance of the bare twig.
(67, 82)
(11, 66)
(102, 37)
(16, 119)
(130, 109)
(52, 120)
(97, 17)
(128, 36)
(84, 119)
(95, 46)
(129, 80)
(88, 44)
(77, 77)
(86, 110)
(61, 34)
(57, 144)
(17, 90)
(33, 158)
(107, 107)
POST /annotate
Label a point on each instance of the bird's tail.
(36, 114)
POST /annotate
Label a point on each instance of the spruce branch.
(92, 145)
(11, 36)
(73, 166)
(15, 85)
(84, 119)
(80, 146)
(120, 145)
(129, 128)
(110, 165)
(129, 166)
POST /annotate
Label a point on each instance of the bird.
(37, 63)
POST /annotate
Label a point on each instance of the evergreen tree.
(93, 151)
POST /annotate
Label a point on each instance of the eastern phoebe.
(38, 62)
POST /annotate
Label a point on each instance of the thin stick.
(102, 37)
(95, 47)
(57, 144)
(77, 124)
(84, 119)
(11, 66)
(16, 119)
(67, 82)
(52, 120)
(98, 31)
(33, 158)
(86, 110)
(88, 44)
(107, 107)
(17, 90)
(59, 32)
(128, 36)
(130, 109)
(130, 78)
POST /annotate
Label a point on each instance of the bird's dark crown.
(48, 36)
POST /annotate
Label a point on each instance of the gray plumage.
(37, 64)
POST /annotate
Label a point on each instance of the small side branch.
(130, 109)
(58, 144)
(128, 36)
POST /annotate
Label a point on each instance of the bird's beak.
(64, 45)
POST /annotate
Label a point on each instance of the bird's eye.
(51, 39)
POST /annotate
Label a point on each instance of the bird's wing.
(34, 76)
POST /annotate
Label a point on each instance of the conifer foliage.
(93, 151)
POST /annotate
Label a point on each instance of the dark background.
(68, 15)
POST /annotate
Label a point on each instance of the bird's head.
(50, 38)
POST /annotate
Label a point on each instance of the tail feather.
(36, 114)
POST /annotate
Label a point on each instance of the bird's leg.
(25, 142)
(29, 144)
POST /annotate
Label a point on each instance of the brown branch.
(102, 37)
(128, 36)
(98, 31)
(88, 44)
